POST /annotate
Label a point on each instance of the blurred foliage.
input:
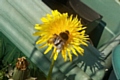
(8, 56)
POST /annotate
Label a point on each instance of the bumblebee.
(59, 40)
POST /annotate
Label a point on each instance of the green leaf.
(1, 75)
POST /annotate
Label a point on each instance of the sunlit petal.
(74, 52)
(55, 55)
(48, 49)
(69, 54)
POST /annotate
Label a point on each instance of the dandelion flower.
(62, 33)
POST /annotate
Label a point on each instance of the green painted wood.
(110, 11)
(19, 28)
(115, 61)
(17, 20)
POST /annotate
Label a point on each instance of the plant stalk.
(50, 70)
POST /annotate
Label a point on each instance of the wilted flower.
(62, 33)
(20, 72)
(21, 63)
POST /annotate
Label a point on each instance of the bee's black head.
(64, 35)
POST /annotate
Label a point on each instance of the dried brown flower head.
(22, 63)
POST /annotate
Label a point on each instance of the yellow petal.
(44, 19)
(84, 43)
(48, 49)
(75, 43)
(71, 17)
(79, 49)
(53, 52)
(55, 13)
(63, 54)
(38, 26)
(74, 52)
(69, 54)
(41, 40)
(65, 59)
(55, 55)
(49, 16)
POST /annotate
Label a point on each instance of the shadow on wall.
(91, 58)
(90, 63)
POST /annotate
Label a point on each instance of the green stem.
(50, 70)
